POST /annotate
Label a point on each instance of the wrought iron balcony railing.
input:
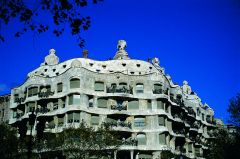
(120, 89)
(130, 141)
(157, 91)
(119, 107)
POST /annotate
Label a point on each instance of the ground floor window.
(145, 156)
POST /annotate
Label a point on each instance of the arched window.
(122, 84)
(139, 88)
(75, 83)
(99, 86)
(141, 138)
(32, 91)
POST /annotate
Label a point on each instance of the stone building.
(137, 98)
(4, 108)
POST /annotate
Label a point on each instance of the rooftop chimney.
(85, 53)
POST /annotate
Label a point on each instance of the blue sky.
(195, 40)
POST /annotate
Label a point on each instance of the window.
(157, 89)
(70, 118)
(16, 96)
(76, 117)
(160, 104)
(149, 104)
(59, 87)
(157, 86)
(74, 99)
(31, 106)
(167, 108)
(139, 88)
(32, 91)
(94, 120)
(202, 117)
(55, 105)
(60, 120)
(144, 156)
(45, 88)
(102, 103)
(133, 105)
(141, 138)
(161, 121)
(169, 125)
(190, 148)
(139, 122)
(90, 102)
(99, 86)
(75, 83)
(162, 139)
(121, 85)
(197, 151)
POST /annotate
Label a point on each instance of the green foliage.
(224, 146)
(167, 155)
(234, 110)
(62, 13)
(81, 142)
(8, 142)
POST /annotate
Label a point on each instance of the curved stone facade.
(134, 97)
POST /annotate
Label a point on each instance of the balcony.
(42, 110)
(210, 121)
(157, 91)
(19, 100)
(191, 111)
(45, 94)
(119, 123)
(120, 89)
(119, 107)
(179, 116)
(130, 141)
(195, 125)
(179, 131)
(50, 125)
(139, 124)
(165, 92)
